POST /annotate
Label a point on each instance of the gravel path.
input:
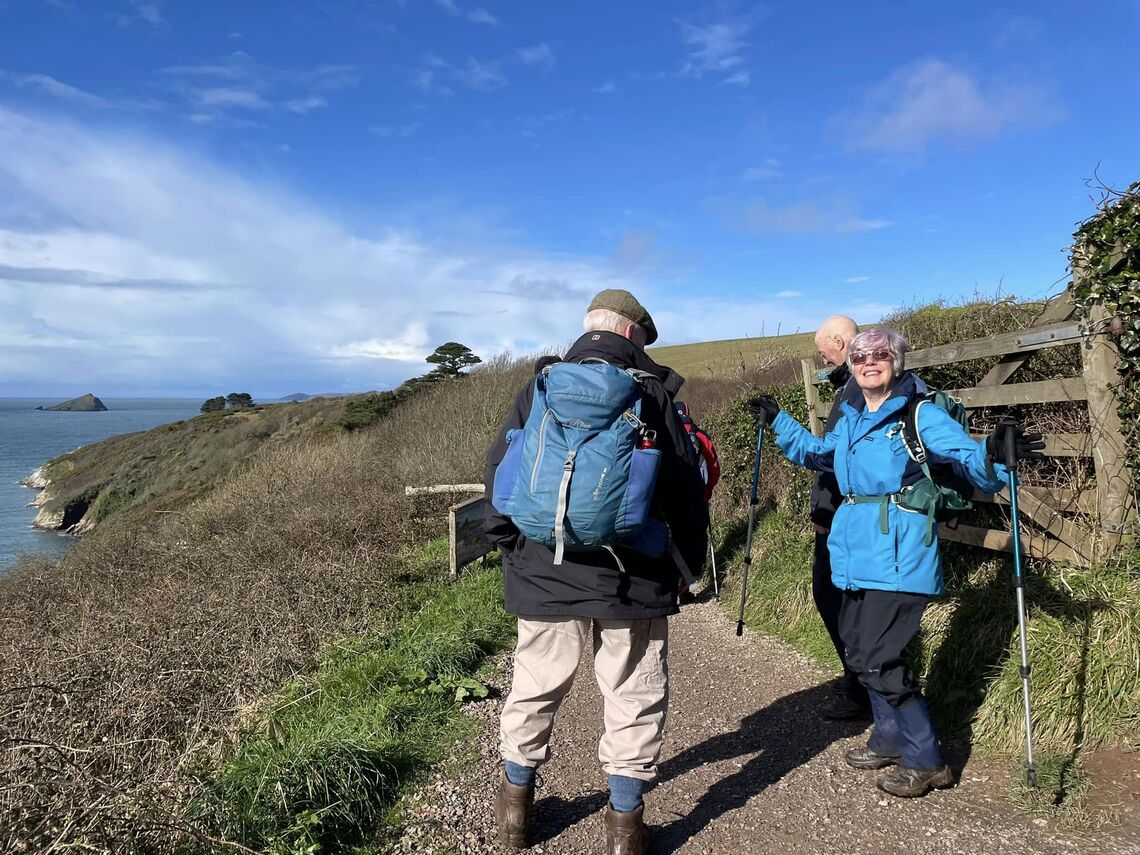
(749, 767)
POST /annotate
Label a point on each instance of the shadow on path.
(788, 733)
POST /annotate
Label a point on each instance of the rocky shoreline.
(49, 520)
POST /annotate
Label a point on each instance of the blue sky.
(280, 196)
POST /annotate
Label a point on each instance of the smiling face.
(875, 375)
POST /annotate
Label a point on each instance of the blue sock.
(520, 776)
(625, 793)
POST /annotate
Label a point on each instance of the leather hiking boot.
(513, 806)
(867, 758)
(913, 783)
(626, 833)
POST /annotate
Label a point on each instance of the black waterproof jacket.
(589, 584)
(825, 496)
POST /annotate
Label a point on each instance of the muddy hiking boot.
(867, 758)
(626, 833)
(912, 783)
(513, 808)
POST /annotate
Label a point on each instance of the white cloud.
(717, 49)
(855, 280)
(931, 100)
(56, 88)
(436, 75)
(410, 345)
(146, 11)
(769, 171)
(533, 124)
(805, 217)
(196, 278)
(537, 55)
(396, 131)
(475, 15)
(238, 83)
(861, 225)
(306, 104)
(785, 295)
(607, 88)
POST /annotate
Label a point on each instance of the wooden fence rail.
(1049, 530)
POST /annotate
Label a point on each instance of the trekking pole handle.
(1010, 442)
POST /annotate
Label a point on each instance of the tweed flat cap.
(626, 305)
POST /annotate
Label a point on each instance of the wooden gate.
(1075, 525)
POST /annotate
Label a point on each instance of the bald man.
(831, 341)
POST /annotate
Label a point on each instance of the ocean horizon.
(29, 438)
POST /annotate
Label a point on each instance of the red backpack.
(706, 448)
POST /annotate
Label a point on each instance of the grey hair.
(607, 320)
(882, 338)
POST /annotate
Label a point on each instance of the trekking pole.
(712, 557)
(1019, 584)
(753, 502)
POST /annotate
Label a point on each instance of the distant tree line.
(233, 401)
(449, 359)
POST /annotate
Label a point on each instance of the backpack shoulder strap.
(912, 439)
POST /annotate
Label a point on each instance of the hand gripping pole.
(753, 502)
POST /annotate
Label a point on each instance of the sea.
(29, 438)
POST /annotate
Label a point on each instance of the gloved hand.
(765, 408)
(1027, 446)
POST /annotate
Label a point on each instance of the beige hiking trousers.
(629, 664)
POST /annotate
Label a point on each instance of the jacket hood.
(619, 350)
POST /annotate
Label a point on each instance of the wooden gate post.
(1114, 486)
(811, 392)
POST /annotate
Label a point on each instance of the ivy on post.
(1106, 290)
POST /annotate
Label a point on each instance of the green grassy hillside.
(168, 466)
(734, 356)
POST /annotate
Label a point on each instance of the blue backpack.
(580, 474)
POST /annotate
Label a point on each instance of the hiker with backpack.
(832, 340)
(883, 542)
(596, 500)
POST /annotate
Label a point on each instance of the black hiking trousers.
(828, 602)
(876, 627)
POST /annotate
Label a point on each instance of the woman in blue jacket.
(882, 555)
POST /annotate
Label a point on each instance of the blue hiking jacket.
(867, 454)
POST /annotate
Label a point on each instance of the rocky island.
(83, 404)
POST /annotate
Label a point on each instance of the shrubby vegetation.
(232, 401)
(1106, 253)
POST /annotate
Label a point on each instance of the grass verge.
(1084, 639)
(1061, 791)
(322, 766)
(779, 584)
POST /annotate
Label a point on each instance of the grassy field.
(734, 357)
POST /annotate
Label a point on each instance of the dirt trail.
(749, 767)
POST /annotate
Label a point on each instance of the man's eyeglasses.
(861, 356)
